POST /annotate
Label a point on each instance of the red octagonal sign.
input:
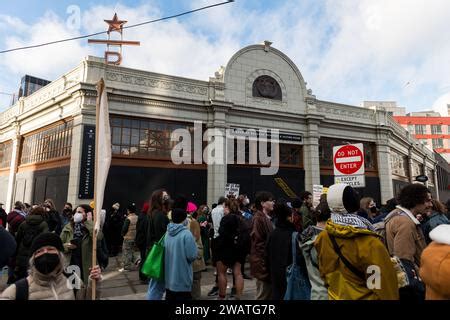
(348, 159)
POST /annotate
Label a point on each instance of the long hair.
(233, 205)
(364, 202)
(439, 207)
(156, 202)
(51, 203)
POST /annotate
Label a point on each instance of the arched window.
(266, 87)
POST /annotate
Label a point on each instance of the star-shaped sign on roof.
(115, 24)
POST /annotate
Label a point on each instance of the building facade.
(430, 128)
(389, 106)
(45, 138)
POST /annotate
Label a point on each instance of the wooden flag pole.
(100, 87)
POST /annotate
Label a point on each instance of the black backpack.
(242, 238)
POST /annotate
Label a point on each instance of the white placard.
(232, 189)
(317, 192)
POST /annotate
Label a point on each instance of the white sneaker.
(123, 270)
(229, 271)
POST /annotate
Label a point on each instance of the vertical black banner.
(86, 189)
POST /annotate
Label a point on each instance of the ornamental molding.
(345, 114)
(169, 85)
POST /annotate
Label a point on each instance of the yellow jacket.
(365, 251)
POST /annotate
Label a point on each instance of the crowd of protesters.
(343, 248)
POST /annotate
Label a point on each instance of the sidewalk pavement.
(127, 286)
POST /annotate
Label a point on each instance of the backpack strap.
(347, 263)
(22, 287)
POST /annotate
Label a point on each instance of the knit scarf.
(348, 219)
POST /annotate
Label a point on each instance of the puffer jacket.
(435, 264)
(44, 287)
(308, 237)
(362, 248)
(32, 227)
(261, 229)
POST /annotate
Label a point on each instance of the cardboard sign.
(317, 192)
(232, 189)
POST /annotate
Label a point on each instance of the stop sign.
(348, 159)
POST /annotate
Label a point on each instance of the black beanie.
(180, 202)
(46, 239)
(350, 199)
(178, 215)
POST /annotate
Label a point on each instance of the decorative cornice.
(342, 112)
(169, 85)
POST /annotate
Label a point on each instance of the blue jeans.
(156, 290)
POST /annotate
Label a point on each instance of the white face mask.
(78, 217)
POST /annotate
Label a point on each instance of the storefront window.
(399, 164)
(48, 144)
(5, 154)
(143, 137)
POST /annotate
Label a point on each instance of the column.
(216, 134)
(436, 182)
(12, 172)
(311, 156)
(385, 172)
(410, 165)
(424, 170)
(217, 169)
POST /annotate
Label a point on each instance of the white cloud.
(347, 51)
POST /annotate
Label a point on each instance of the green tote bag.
(154, 263)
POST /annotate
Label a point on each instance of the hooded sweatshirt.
(435, 264)
(180, 252)
(361, 247)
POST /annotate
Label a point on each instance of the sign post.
(348, 162)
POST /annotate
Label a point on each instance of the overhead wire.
(127, 27)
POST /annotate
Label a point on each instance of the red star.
(115, 24)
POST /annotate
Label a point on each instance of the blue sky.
(348, 51)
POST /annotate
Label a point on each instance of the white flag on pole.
(103, 157)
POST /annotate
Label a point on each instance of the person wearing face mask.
(77, 239)
(47, 280)
(367, 209)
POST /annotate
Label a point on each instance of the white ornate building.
(42, 136)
